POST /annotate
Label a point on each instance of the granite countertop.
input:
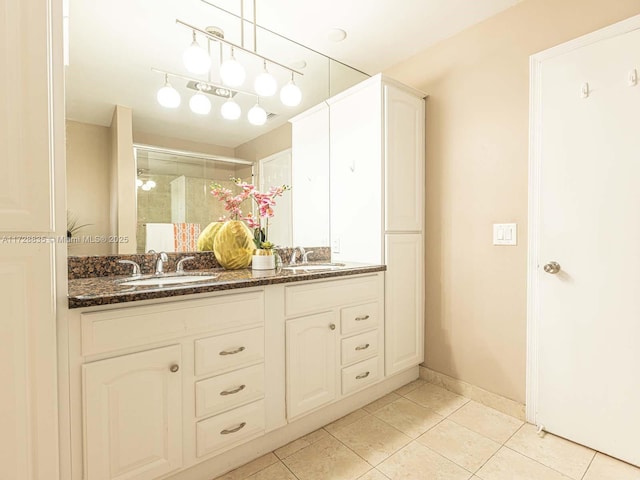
(90, 292)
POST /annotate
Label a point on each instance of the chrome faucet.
(180, 265)
(304, 255)
(136, 267)
(161, 258)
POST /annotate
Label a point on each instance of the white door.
(588, 313)
(311, 362)
(133, 414)
(276, 171)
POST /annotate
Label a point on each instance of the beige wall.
(476, 167)
(88, 157)
(265, 145)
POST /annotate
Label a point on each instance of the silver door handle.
(552, 268)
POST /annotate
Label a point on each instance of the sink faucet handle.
(180, 265)
(293, 254)
(136, 267)
(161, 258)
(305, 256)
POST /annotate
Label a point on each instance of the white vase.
(263, 262)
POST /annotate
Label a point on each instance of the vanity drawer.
(360, 375)
(228, 352)
(359, 318)
(227, 430)
(217, 394)
(321, 296)
(120, 328)
(354, 349)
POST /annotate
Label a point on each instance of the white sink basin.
(314, 268)
(162, 281)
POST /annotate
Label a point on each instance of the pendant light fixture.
(195, 58)
(265, 84)
(257, 115)
(290, 94)
(232, 72)
(168, 96)
(200, 103)
(230, 110)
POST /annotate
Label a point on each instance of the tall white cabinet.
(31, 159)
(370, 138)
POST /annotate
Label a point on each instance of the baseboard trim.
(492, 400)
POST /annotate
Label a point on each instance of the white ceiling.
(115, 43)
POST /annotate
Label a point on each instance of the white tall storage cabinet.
(31, 211)
(376, 143)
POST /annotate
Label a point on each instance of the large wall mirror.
(118, 135)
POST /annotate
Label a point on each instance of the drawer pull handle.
(232, 391)
(174, 368)
(362, 347)
(365, 317)
(362, 375)
(227, 431)
(232, 352)
(332, 326)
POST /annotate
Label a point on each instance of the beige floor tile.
(346, 420)
(250, 468)
(409, 417)
(326, 459)
(438, 399)
(381, 402)
(607, 468)
(487, 421)
(510, 465)
(372, 439)
(277, 471)
(374, 475)
(300, 443)
(417, 462)
(459, 444)
(410, 387)
(555, 452)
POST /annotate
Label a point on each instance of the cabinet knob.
(174, 368)
(332, 326)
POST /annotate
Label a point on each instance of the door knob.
(552, 268)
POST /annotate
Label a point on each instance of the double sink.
(169, 279)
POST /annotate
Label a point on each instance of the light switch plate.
(505, 234)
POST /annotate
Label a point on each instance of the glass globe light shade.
(196, 59)
(151, 183)
(265, 84)
(291, 95)
(139, 183)
(200, 104)
(146, 187)
(257, 115)
(232, 72)
(230, 110)
(168, 96)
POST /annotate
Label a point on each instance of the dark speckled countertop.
(90, 292)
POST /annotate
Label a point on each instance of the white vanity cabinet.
(334, 340)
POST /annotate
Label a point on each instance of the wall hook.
(633, 78)
(584, 91)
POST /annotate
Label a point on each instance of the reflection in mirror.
(111, 105)
(174, 201)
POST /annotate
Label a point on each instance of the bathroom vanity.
(162, 387)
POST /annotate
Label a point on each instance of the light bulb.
(265, 84)
(151, 183)
(232, 72)
(196, 59)
(230, 110)
(200, 104)
(139, 182)
(290, 94)
(168, 96)
(257, 115)
(146, 187)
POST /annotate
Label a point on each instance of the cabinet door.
(404, 160)
(310, 177)
(404, 302)
(311, 362)
(133, 415)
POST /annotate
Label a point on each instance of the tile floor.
(424, 432)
